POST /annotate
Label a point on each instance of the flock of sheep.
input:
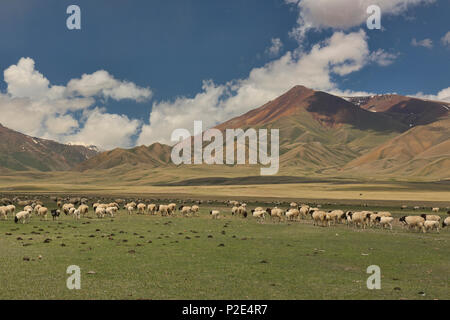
(358, 219)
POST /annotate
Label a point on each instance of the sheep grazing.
(100, 212)
(413, 222)
(431, 217)
(384, 214)
(385, 221)
(446, 222)
(84, 210)
(276, 213)
(303, 211)
(130, 209)
(141, 208)
(292, 214)
(28, 208)
(42, 212)
(435, 209)
(151, 208)
(319, 216)
(23, 216)
(214, 214)
(195, 209)
(111, 211)
(185, 210)
(293, 205)
(3, 212)
(234, 210)
(416, 208)
(431, 224)
(163, 210)
(36, 209)
(66, 208)
(76, 214)
(172, 207)
(360, 218)
(242, 211)
(10, 209)
(55, 214)
(335, 216)
(259, 214)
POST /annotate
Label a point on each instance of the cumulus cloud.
(443, 95)
(275, 47)
(339, 55)
(32, 105)
(342, 14)
(101, 83)
(382, 57)
(446, 39)
(106, 130)
(426, 43)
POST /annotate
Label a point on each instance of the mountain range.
(320, 134)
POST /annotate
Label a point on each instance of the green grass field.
(153, 257)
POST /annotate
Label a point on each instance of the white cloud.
(426, 43)
(340, 55)
(275, 47)
(443, 95)
(383, 58)
(342, 14)
(446, 39)
(106, 130)
(101, 83)
(33, 106)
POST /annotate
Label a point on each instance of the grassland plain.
(153, 257)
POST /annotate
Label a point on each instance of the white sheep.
(42, 212)
(431, 217)
(141, 208)
(259, 214)
(360, 218)
(171, 207)
(11, 209)
(130, 209)
(319, 216)
(151, 208)
(84, 209)
(163, 209)
(292, 214)
(185, 210)
(276, 213)
(195, 209)
(111, 211)
(446, 222)
(385, 221)
(23, 216)
(3, 212)
(214, 214)
(413, 222)
(100, 212)
(431, 224)
(435, 209)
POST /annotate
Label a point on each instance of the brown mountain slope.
(22, 152)
(410, 111)
(327, 109)
(422, 150)
(155, 155)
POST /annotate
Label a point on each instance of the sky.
(137, 70)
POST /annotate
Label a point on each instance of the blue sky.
(168, 50)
